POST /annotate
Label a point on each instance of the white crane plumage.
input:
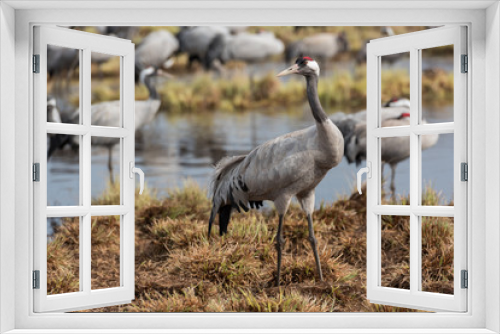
(288, 166)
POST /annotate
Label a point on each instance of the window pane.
(63, 84)
(63, 170)
(395, 90)
(105, 252)
(106, 108)
(395, 252)
(395, 183)
(63, 255)
(437, 254)
(105, 171)
(437, 169)
(437, 84)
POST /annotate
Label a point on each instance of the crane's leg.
(314, 245)
(307, 203)
(280, 242)
(281, 204)
(110, 164)
(393, 176)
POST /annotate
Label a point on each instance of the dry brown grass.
(179, 270)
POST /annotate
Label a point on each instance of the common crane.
(156, 50)
(108, 114)
(287, 166)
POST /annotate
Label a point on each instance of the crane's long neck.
(330, 139)
(313, 97)
(153, 95)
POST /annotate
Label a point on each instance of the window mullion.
(414, 172)
(86, 228)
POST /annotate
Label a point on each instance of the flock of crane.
(211, 46)
(289, 166)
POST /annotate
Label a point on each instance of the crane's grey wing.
(156, 48)
(197, 40)
(253, 47)
(145, 112)
(321, 45)
(278, 164)
(284, 164)
(395, 149)
(106, 113)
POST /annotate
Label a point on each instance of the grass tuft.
(179, 270)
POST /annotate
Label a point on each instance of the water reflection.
(176, 147)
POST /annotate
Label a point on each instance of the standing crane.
(198, 43)
(396, 112)
(156, 49)
(108, 114)
(287, 166)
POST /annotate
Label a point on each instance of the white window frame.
(85, 43)
(483, 212)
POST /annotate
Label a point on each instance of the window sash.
(85, 42)
(413, 43)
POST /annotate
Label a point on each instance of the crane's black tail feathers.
(224, 217)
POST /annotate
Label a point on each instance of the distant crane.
(287, 166)
(108, 114)
(213, 46)
(197, 41)
(322, 46)
(252, 47)
(156, 50)
(396, 112)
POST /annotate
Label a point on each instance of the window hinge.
(465, 64)
(36, 279)
(465, 279)
(36, 172)
(464, 171)
(36, 63)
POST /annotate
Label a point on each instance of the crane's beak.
(291, 70)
